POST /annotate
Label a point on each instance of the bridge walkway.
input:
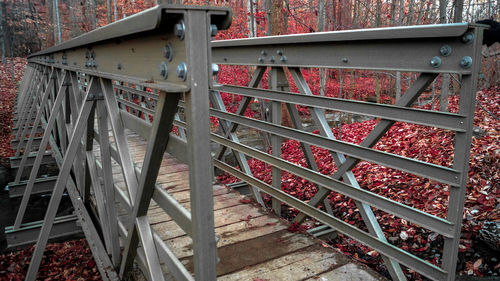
(254, 244)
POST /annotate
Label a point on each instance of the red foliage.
(71, 260)
(8, 90)
(419, 142)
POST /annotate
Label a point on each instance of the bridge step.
(39, 130)
(42, 185)
(36, 142)
(28, 233)
(16, 161)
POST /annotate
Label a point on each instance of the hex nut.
(180, 30)
(168, 52)
(163, 69)
(182, 71)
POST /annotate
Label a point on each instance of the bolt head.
(468, 37)
(263, 52)
(345, 60)
(466, 62)
(213, 30)
(215, 69)
(180, 30)
(182, 71)
(445, 50)
(272, 59)
(119, 66)
(163, 70)
(261, 59)
(436, 62)
(168, 52)
(279, 52)
(283, 59)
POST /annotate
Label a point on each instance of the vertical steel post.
(198, 144)
(467, 105)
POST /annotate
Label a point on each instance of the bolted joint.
(436, 62)
(466, 62)
(180, 30)
(445, 50)
(163, 70)
(215, 69)
(182, 71)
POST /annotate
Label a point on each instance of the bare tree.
(57, 22)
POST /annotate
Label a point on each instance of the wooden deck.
(254, 244)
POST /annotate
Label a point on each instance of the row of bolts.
(446, 50)
(180, 30)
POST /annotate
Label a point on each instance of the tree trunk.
(285, 17)
(57, 22)
(109, 11)
(3, 36)
(321, 27)
(459, 8)
(442, 11)
(6, 34)
(252, 25)
(276, 17)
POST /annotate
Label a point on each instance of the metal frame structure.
(164, 57)
(428, 50)
(73, 92)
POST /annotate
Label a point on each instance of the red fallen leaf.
(245, 201)
(295, 227)
(247, 218)
(91, 263)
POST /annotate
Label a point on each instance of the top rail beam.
(429, 48)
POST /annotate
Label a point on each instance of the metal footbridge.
(102, 107)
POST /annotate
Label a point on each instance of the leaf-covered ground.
(427, 144)
(71, 260)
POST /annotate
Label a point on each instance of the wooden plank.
(300, 265)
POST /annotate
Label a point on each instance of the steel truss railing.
(428, 50)
(111, 75)
(73, 91)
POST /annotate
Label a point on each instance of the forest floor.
(476, 258)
